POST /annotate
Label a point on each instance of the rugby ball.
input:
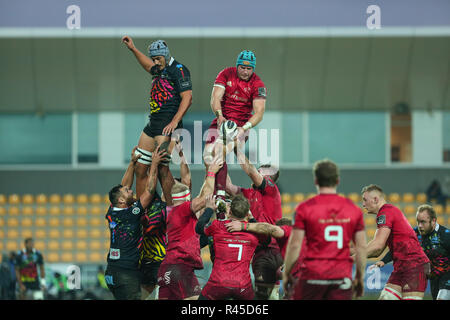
(228, 130)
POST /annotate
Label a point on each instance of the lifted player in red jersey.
(408, 280)
(237, 92)
(176, 276)
(230, 276)
(328, 222)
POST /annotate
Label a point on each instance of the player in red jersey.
(176, 276)
(281, 232)
(265, 205)
(408, 280)
(329, 223)
(230, 276)
(237, 92)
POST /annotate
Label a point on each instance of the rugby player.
(170, 98)
(408, 281)
(329, 223)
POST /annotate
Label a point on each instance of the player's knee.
(390, 294)
(145, 159)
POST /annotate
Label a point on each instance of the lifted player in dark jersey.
(170, 98)
(122, 275)
(435, 241)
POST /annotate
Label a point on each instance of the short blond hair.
(372, 187)
(429, 209)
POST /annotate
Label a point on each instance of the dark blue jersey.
(126, 235)
(27, 263)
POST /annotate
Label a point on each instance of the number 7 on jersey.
(240, 250)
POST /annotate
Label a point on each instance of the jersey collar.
(437, 227)
(171, 61)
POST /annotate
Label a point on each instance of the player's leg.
(444, 287)
(146, 146)
(415, 283)
(165, 176)
(391, 292)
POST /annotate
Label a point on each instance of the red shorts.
(213, 132)
(215, 292)
(177, 282)
(323, 290)
(411, 280)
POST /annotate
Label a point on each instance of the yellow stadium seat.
(13, 211)
(97, 210)
(67, 257)
(394, 197)
(421, 198)
(95, 222)
(12, 234)
(53, 257)
(355, 197)
(82, 199)
(95, 245)
(40, 245)
(41, 199)
(67, 245)
(299, 197)
(106, 199)
(26, 222)
(53, 245)
(82, 234)
(81, 257)
(27, 199)
(2, 234)
(409, 210)
(286, 198)
(106, 244)
(2, 247)
(81, 245)
(68, 210)
(54, 234)
(95, 198)
(447, 209)
(2, 199)
(408, 198)
(2, 211)
(439, 208)
(68, 222)
(28, 211)
(55, 198)
(97, 257)
(370, 221)
(95, 233)
(41, 211)
(54, 222)
(40, 222)
(412, 221)
(82, 211)
(310, 195)
(55, 211)
(26, 233)
(68, 233)
(2, 222)
(82, 222)
(40, 234)
(68, 198)
(106, 233)
(12, 246)
(14, 199)
(12, 222)
(370, 232)
(286, 209)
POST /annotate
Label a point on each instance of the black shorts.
(443, 282)
(149, 272)
(156, 125)
(124, 284)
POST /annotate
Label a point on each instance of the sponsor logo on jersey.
(381, 219)
(136, 210)
(262, 92)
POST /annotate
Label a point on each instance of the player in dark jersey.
(435, 241)
(237, 92)
(265, 205)
(230, 276)
(329, 223)
(124, 217)
(31, 284)
(176, 275)
(408, 280)
(170, 98)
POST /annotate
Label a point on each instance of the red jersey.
(183, 242)
(330, 223)
(237, 102)
(233, 253)
(402, 242)
(265, 204)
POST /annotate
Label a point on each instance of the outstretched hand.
(211, 201)
(135, 157)
(128, 42)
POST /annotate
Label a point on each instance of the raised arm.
(245, 164)
(185, 172)
(147, 196)
(143, 60)
(208, 186)
(128, 177)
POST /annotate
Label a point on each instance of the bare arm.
(147, 196)
(143, 60)
(186, 101)
(377, 245)
(216, 104)
(360, 261)
(258, 227)
(128, 177)
(293, 250)
(231, 188)
(185, 172)
(208, 186)
(248, 168)
(259, 106)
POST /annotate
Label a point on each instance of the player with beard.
(124, 217)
